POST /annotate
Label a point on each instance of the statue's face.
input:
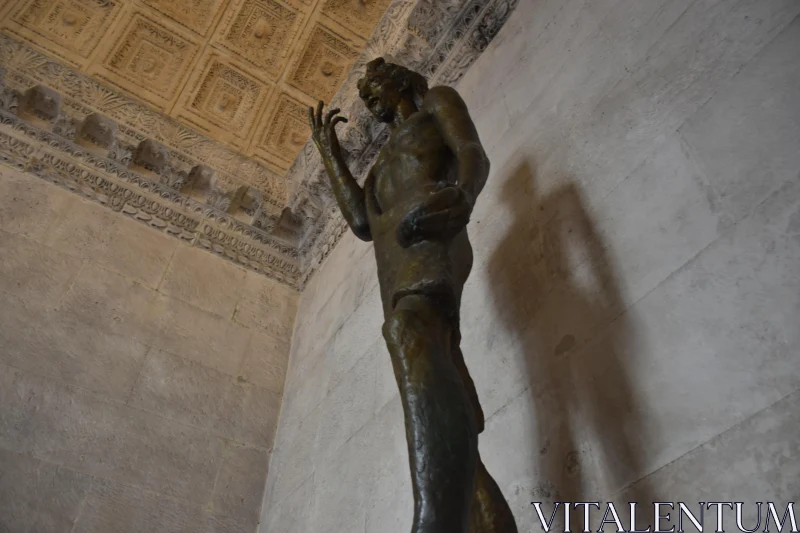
(382, 95)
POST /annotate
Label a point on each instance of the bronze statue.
(415, 205)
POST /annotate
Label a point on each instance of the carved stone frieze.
(110, 183)
(246, 208)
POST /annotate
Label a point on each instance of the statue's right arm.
(349, 194)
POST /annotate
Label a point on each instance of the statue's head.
(386, 85)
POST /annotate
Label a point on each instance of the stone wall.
(631, 318)
(140, 378)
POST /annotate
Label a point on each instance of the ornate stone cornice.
(285, 226)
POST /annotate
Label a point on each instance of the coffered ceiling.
(241, 71)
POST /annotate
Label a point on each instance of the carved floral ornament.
(245, 207)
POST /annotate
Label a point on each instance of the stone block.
(197, 335)
(347, 407)
(99, 131)
(293, 457)
(85, 433)
(109, 302)
(756, 460)
(37, 496)
(97, 234)
(711, 346)
(122, 508)
(356, 335)
(28, 205)
(151, 156)
(745, 138)
(187, 392)
(292, 515)
(199, 183)
(257, 420)
(204, 280)
(19, 402)
(267, 305)
(239, 489)
(265, 362)
(36, 273)
(50, 343)
(656, 220)
(41, 102)
(366, 465)
(307, 386)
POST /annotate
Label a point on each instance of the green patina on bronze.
(415, 205)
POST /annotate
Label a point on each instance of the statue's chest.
(411, 155)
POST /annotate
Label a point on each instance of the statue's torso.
(413, 164)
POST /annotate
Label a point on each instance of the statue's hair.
(379, 68)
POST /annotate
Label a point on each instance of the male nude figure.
(415, 205)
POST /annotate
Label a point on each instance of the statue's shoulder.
(442, 97)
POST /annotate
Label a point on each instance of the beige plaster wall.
(140, 379)
(631, 318)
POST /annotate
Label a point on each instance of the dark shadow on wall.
(556, 292)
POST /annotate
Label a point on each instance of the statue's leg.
(440, 425)
(490, 512)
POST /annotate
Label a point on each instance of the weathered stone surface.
(38, 496)
(99, 131)
(264, 362)
(294, 514)
(121, 508)
(110, 302)
(105, 439)
(242, 476)
(257, 419)
(34, 272)
(151, 156)
(199, 278)
(185, 391)
(197, 335)
(267, 305)
(49, 343)
(744, 165)
(41, 102)
(347, 407)
(200, 181)
(94, 233)
(28, 205)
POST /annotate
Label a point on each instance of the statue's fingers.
(330, 114)
(319, 113)
(312, 122)
(337, 120)
(442, 199)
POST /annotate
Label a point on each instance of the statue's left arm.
(461, 137)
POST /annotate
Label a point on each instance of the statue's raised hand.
(323, 130)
